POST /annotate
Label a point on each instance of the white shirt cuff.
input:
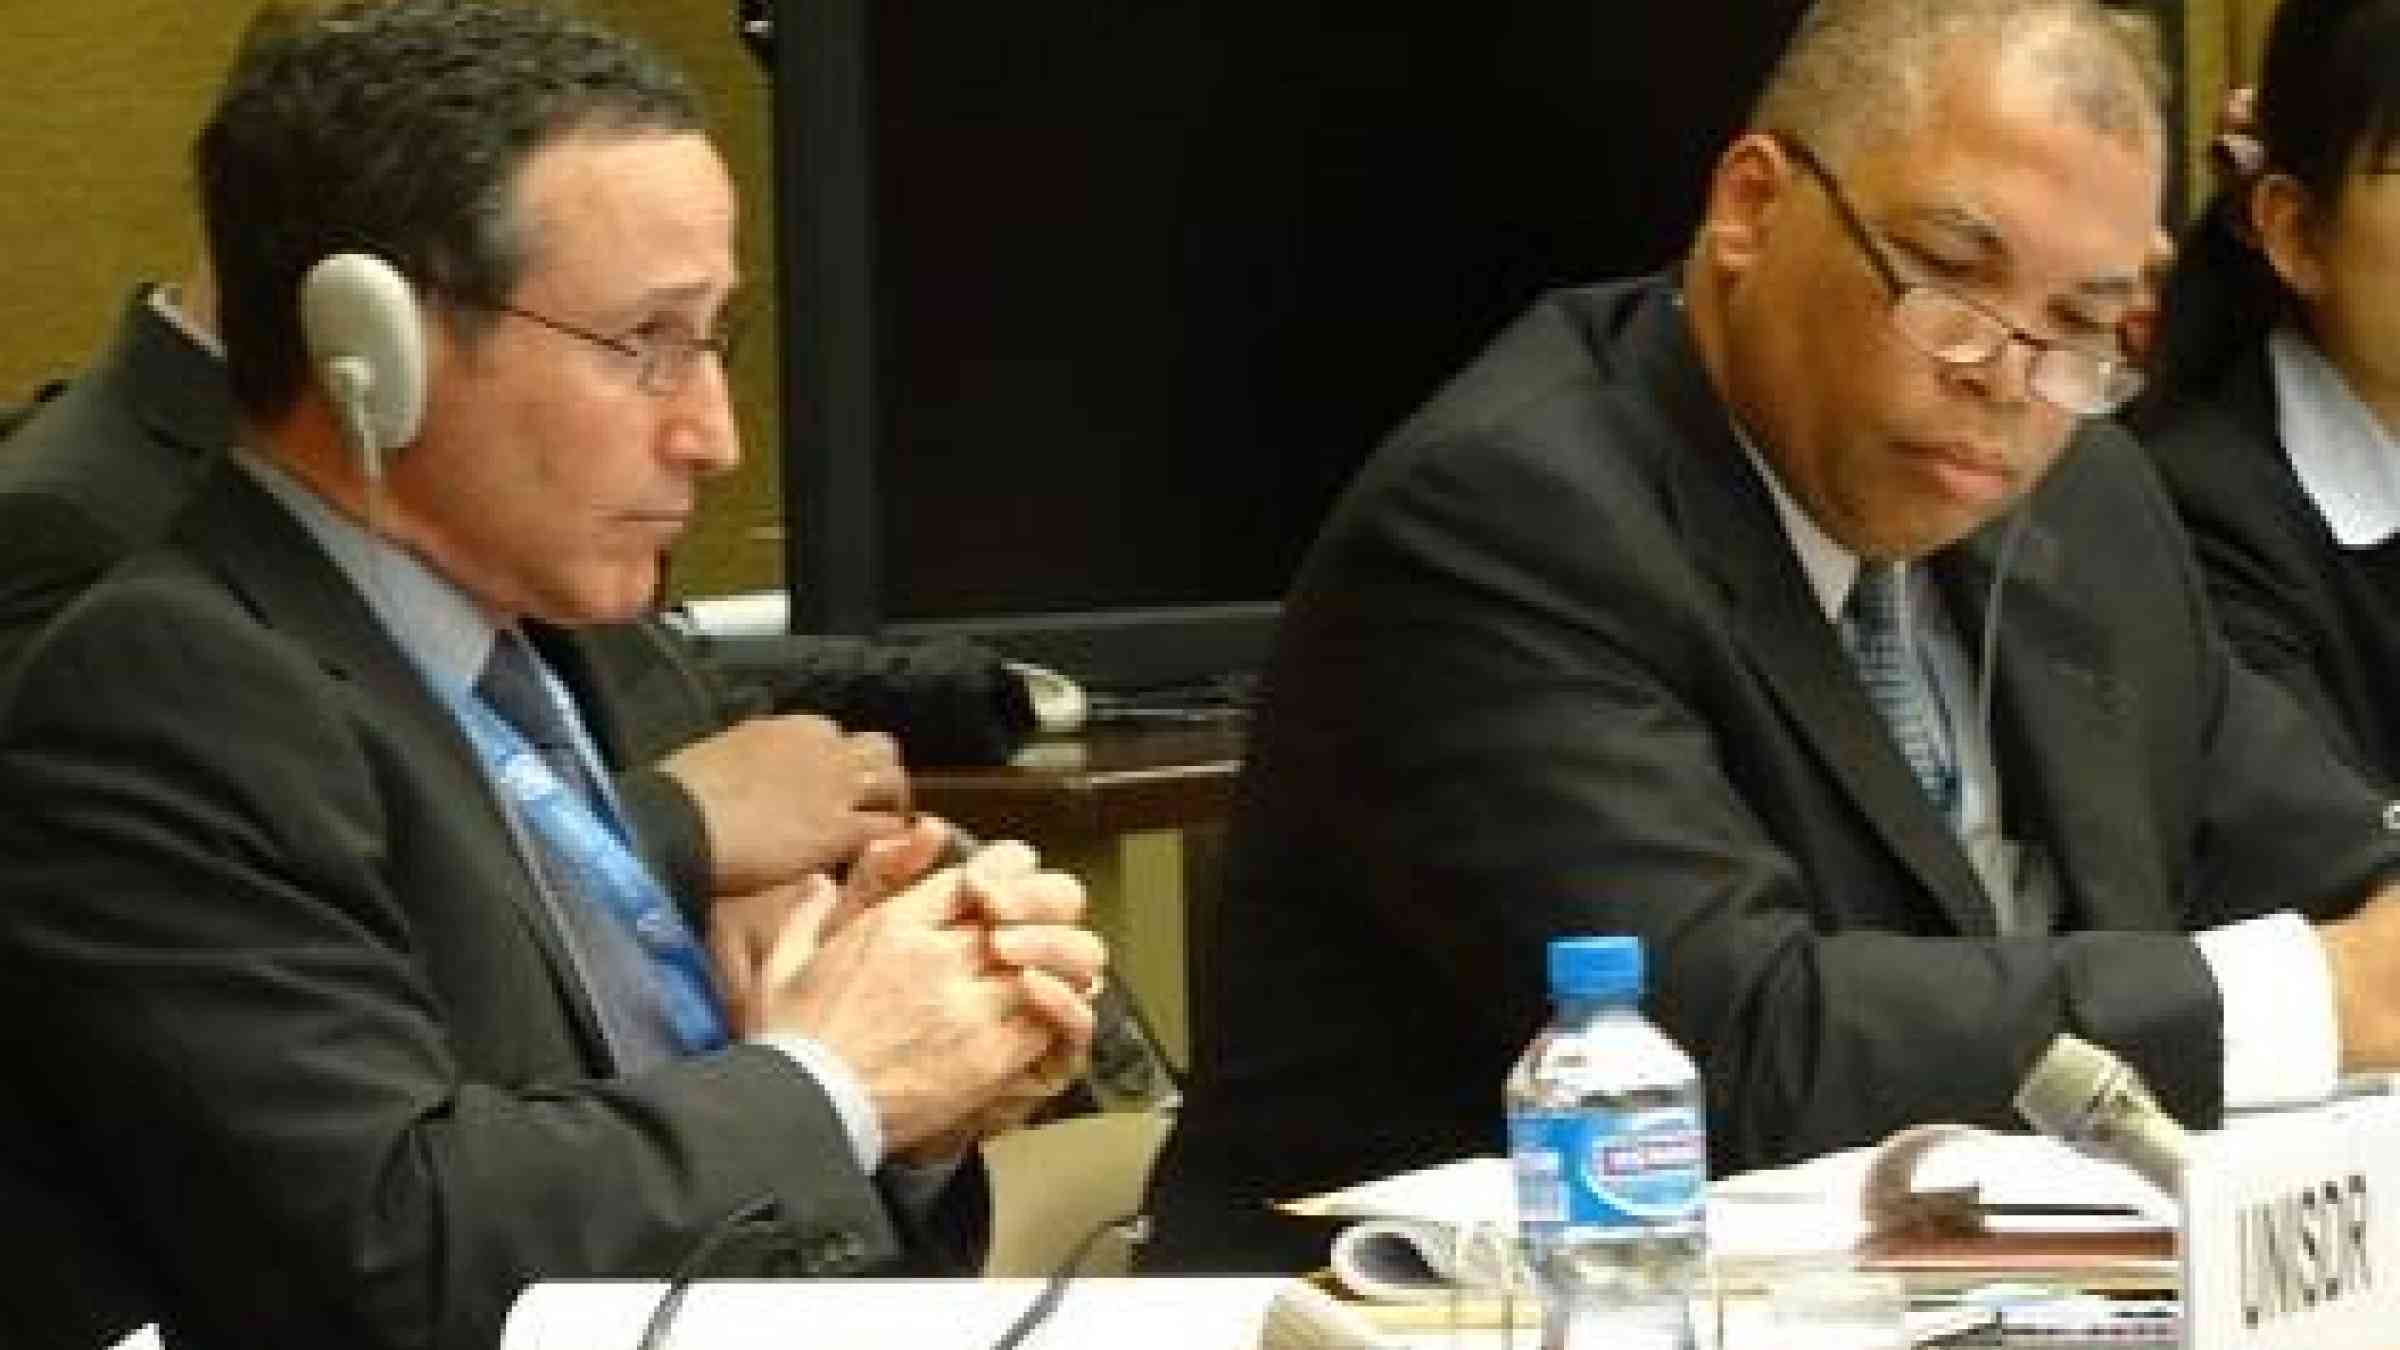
(2276, 992)
(842, 1087)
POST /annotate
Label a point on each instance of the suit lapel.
(2067, 779)
(270, 561)
(176, 387)
(1734, 534)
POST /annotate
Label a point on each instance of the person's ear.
(1746, 192)
(2288, 227)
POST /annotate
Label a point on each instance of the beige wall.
(94, 194)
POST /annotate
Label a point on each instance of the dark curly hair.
(398, 127)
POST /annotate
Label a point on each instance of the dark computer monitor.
(1090, 309)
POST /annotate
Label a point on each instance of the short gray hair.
(1858, 71)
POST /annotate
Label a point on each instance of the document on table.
(1422, 1235)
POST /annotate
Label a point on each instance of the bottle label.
(1609, 1169)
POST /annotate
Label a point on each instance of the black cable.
(670, 1303)
(1136, 1227)
(1125, 1056)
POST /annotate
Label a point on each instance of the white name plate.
(2291, 1231)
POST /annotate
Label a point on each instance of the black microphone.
(2085, 1096)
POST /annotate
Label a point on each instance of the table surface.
(1106, 781)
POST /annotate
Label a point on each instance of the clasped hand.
(961, 997)
(787, 795)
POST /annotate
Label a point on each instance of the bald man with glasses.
(1795, 610)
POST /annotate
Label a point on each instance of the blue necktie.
(1875, 629)
(655, 984)
(513, 685)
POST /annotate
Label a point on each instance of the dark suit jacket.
(100, 469)
(90, 474)
(2321, 620)
(97, 472)
(278, 978)
(1553, 668)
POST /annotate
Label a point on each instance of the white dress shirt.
(2347, 463)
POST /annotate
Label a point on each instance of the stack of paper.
(1931, 1203)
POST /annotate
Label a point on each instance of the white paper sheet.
(1157, 1314)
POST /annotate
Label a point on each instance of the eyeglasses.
(660, 360)
(1958, 332)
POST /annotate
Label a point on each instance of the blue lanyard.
(603, 868)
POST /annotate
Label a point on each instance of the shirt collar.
(435, 622)
(1830, 568)
(167, 303)
(2345, 460)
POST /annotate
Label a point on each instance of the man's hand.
(2363, 954)
(1015, 1104)
(789, 795)
(743, 931)
(952, 999)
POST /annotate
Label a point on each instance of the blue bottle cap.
(1596, 968)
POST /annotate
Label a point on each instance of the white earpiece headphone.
(366, 342)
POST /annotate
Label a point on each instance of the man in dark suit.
(328, 956)
(1569, 657)
(98, 472)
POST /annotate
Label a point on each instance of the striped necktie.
(1876, 630)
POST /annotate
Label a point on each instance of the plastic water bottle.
(1606, 1127)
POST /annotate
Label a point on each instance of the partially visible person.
(1800, 611)
(332, 967)
(2274, 412)
(98, 465)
